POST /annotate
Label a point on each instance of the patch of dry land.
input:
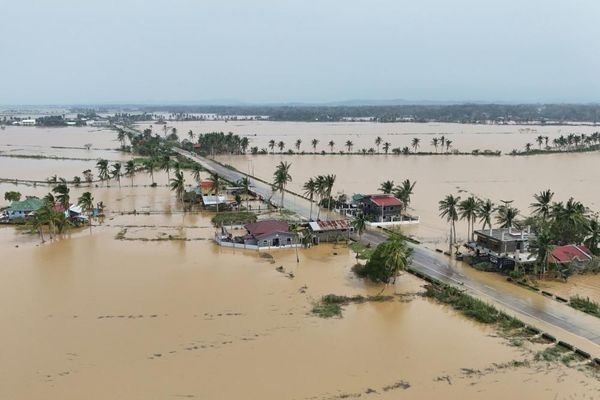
(93, 316)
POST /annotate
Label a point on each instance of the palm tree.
(468, 210)
(359, 223)
(378, 143)
(121, 137)
(404, 192)
(386, 147)
(528, 147)
(272, 145)
(178, 186)
(485, 211)
(310, 190)
(331, 145)
(191, 135)
(434, 143)
(321, 190)
(415, 143)
(349, 145)
(396, 255)
(329, 182)
(593, 235)
(507, 215)
(541, 206)
(217, 183)
(130, 170)
(448, 145)
(116, 172)
(196, 170)
(314, 143)
(387, 187)
(244, 183)
(281, 145)
(281, 178)
(62, 195)
(298, 143)
(165, 165)
(448, 209)
(150, 166)
(102, 166)
(540, 140)
(540, 247)
(86, 202)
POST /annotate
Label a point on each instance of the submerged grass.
(331, 305)
(586, 305)
(363, 252)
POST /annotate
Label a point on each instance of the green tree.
(349, 145)
(378, 142)
(331, 145)
(86, 202)
(281, 178)
(329, 182)
(387, 187)
(468, 210)
(593, 236)
(404, 192)
(165, 165)
(415, 144)
(178, 186)
(244, 183)
(130, 170)
(448, 207)
(217, 184)
(359, 223)
(272, 146)
(485, 211)
(150, 166)
(196, 170)
(116, 172)
(298, 144)
(542, 205)
(314, 143)
(388, 260)
(386, 147)
(102, 167)
(507, 215)
(281, 146)
(62, 195)
(540, 247)
(12, 196)
(310, 190)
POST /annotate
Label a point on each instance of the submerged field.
(94, 316)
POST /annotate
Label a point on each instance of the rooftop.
(504, 234)
(570, 252)
(265, 228)
(385, 200)
(325, 226)
(27, 205)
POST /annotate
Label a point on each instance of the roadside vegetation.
(331, 305)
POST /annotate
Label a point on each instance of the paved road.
(507, 295)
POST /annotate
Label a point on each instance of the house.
(570, 253)
(503, 246)
(381, 207)
(269, 233)
(98, 122)
(28, 122)
(329, 231)
(206, 186)
(209, 200)
(18, 210)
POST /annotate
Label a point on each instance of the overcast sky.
(116, 51)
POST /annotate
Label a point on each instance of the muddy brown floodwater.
(90, 316)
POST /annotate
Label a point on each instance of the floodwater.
(90, 316)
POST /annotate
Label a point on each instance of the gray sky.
(115, 51)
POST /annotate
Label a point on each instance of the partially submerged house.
(19, 210)
(381, 207)
(260, 235)
(504, 247)
(329, 231)
(570, 253)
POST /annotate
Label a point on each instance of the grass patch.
(471, 307)
(331, 305)
(586, 305)
(233, 217)
(552, 354)
(363, 252)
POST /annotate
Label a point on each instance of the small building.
(98, 122)
(206, 186)
(212, 201)
(270, 233)
(570, 253)
(329, 231)
(28, 122)
(381, 207)
(19, 210)
(503, 246)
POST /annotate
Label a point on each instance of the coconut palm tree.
(449, 209)
(528, 147)
(281, 145)
(196, 170)
(468, 210)
(150, 166)
(434, 142)
(415, 144)
(191, 135)
(593, 235)
(314, 143)
(272, 146)
(281, 178)
(310, 190)
(507, 215)
(378, 142)
(543, 203)
(217, 184)
(540, 247)
(86, 202)
(102, 166)
(387, 187)
(321, 190)
(331, 145)
(397, 256)
(165, 165)
(244, 183)
(62, 195)
(116, 172)
(329, 182)
(178, 186)
(121, 137)
(448, 145)
(404, 192)
(298, 143)
(386, 147)
(130, 170)
(485, 211)
(359, 223)
(349, 145)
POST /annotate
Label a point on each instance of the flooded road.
(90, 316)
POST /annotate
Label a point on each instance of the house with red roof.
(261, 234)
(381, 207)
(570, 253)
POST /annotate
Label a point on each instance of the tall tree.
(507, 214)
(543, 202)
(485, 212)
(298, 144)
(86, 202)
(150, 167)
(130, 170)
(310, 190)
(281, 178)
(217, 183)
(62, 195)
(386, 187)
(349, 145)
(244, 183)
(178, 186)
(116, 172)
(314, 143)
(102, 167)
(449, 209)
(415, 144)
(359, 223)
(378, 142)
(331, 145)
(468, 210)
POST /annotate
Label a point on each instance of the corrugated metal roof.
(27, 205)
(324, 226)
(265, 228)
(570, 252)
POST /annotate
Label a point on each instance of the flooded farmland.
(94, 316)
